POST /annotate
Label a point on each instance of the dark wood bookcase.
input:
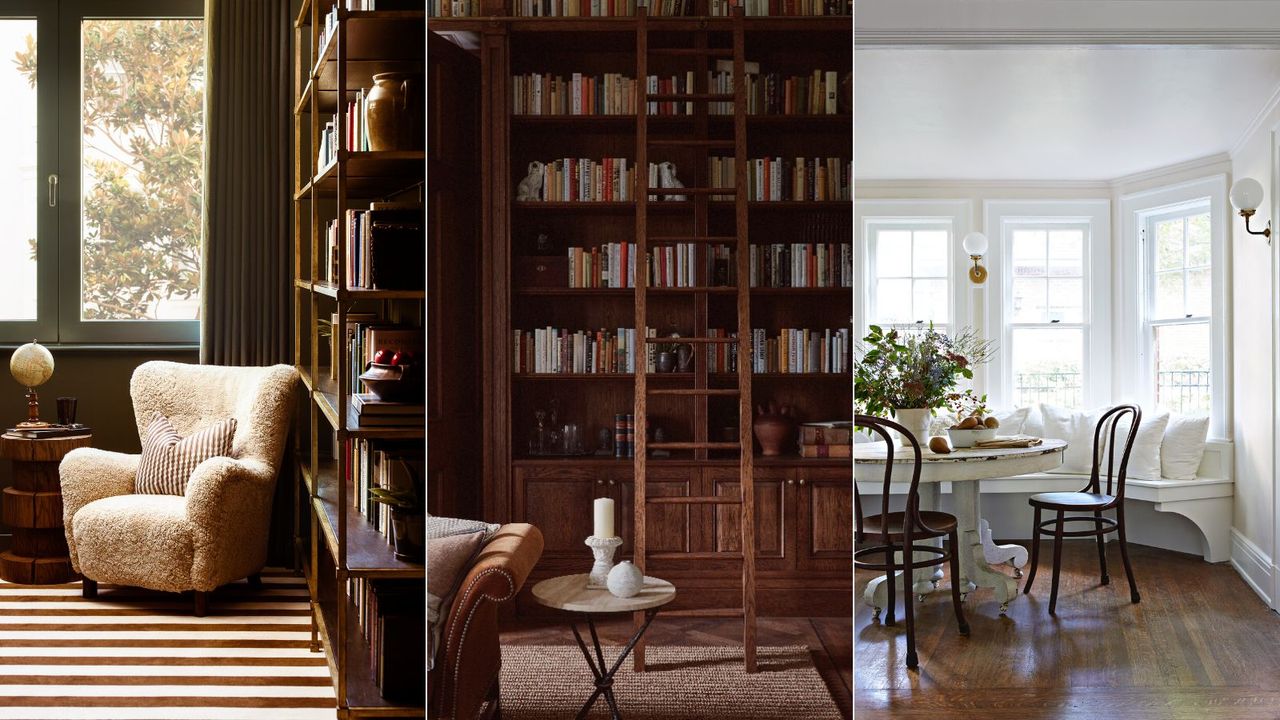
(336, 544)
(803, 507)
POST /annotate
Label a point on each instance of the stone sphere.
(31, 364)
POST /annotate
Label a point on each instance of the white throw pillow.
(1183, 446)
(1144, 459)
(1011, 421)
(1033, 425)
(1076, 427)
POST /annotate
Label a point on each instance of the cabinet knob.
(790, 481)
(803, 481)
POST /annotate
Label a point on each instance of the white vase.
(625, 580)
(917, 421)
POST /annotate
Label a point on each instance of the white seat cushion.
(138, 540)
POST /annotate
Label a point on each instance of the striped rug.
(134, 654)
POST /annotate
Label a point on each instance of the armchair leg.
(89, 588)
(202, 603)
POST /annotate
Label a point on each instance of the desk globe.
(32, 366)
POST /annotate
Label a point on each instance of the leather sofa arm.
(470, 653)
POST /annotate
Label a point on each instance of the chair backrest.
(261, 400)
(881, 427)
(1104, 441)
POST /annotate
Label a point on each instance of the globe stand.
(33, 412)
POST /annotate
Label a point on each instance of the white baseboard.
(1253, 565)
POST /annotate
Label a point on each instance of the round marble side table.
(571, 594)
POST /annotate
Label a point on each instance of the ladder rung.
(692, 340)
(693, 143)
(692, 239)
(692, 97)
(693, 391)
(693, 446)
(709, 52)
(705, 613)
(693, 500)
(691, 191)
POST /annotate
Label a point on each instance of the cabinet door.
(772, 491)
(825, 518)
(668, 528)
(558, 500)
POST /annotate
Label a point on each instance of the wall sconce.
(975, 244)
(1246, 196)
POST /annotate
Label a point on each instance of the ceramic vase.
(392, 112)
(666, 362)
(625, 580)
(916, 421)
(775, 429)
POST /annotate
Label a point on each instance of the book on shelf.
(574, 8)
(586, 180)
(553, 350)
(801, 265)
(826, 433)
(777, 93)
(624, 435)
(578, 94)
(783, 8)
(372, 412)
(826, 451)
(52, 431)
(801, 350)
(771, 179)
(383, 247)
(671, 85)
(327, 152)
(365, 338)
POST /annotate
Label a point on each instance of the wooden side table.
(32, 508)
(571, 594)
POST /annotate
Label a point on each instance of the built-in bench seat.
(1205, 501)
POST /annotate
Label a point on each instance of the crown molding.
(1208, 163)
(999, 185)
(1225, 37)
(1256, 124)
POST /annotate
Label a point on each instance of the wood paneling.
(558, 500)
(825, 518)
(773, 498)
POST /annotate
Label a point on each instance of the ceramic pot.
(392, 112)
(775, 429)
(408, 531)
(684, 359)
(970, 437)
(917, 421)
(390, 383)
(666, 362)
(625, 580)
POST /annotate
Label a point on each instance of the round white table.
(964, 468)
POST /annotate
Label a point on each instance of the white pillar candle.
(604, 518)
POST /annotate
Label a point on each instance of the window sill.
(111, 347)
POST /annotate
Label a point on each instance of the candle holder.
(602, 548)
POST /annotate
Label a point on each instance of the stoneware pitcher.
(392, 112)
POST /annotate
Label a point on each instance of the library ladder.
(697, 202)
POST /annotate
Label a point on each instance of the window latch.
(1054, 322)
(53, 190)
(1188, 314)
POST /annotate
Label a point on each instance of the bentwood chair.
(899, 532)
(1093, 500)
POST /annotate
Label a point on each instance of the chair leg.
(1124, 555)
(202, 603)
(1057, 563)
(889, 618)
(1102, 548)
(1035, 554)
(954, 540)
(89, 588)
(908, 601)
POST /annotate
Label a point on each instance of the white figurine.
(532, 183)
(667, 179)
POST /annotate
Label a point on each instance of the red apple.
(381, 357)
(398, 358)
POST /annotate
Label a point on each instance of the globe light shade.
(975, 243)
(1246, 194)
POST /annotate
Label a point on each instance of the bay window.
(1179, 307)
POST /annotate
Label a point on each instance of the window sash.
(874, 314)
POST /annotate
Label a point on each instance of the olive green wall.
(100, 382)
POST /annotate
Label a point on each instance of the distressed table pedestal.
(964, 469)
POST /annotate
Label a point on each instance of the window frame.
(1000, 218)
(911, 225)
(59, 229)
(1137, 285)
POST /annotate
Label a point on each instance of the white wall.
(1253, 356)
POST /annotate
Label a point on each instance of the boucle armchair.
(214, 534)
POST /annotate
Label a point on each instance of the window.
(1048, 313)
(104, 171)
(910, 282)
(1179, 300)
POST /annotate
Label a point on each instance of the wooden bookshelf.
(803, 554)
(336, 543)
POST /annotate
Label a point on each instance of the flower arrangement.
(916, 369)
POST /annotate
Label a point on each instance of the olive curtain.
(245, 296)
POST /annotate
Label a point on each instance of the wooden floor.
(1200, 646)
(828, 639)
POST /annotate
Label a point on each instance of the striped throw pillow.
(168, 460)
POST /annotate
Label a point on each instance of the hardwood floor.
(1200, 646)
(829, 640)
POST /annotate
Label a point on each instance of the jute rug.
(681, 683)
(134, 654)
